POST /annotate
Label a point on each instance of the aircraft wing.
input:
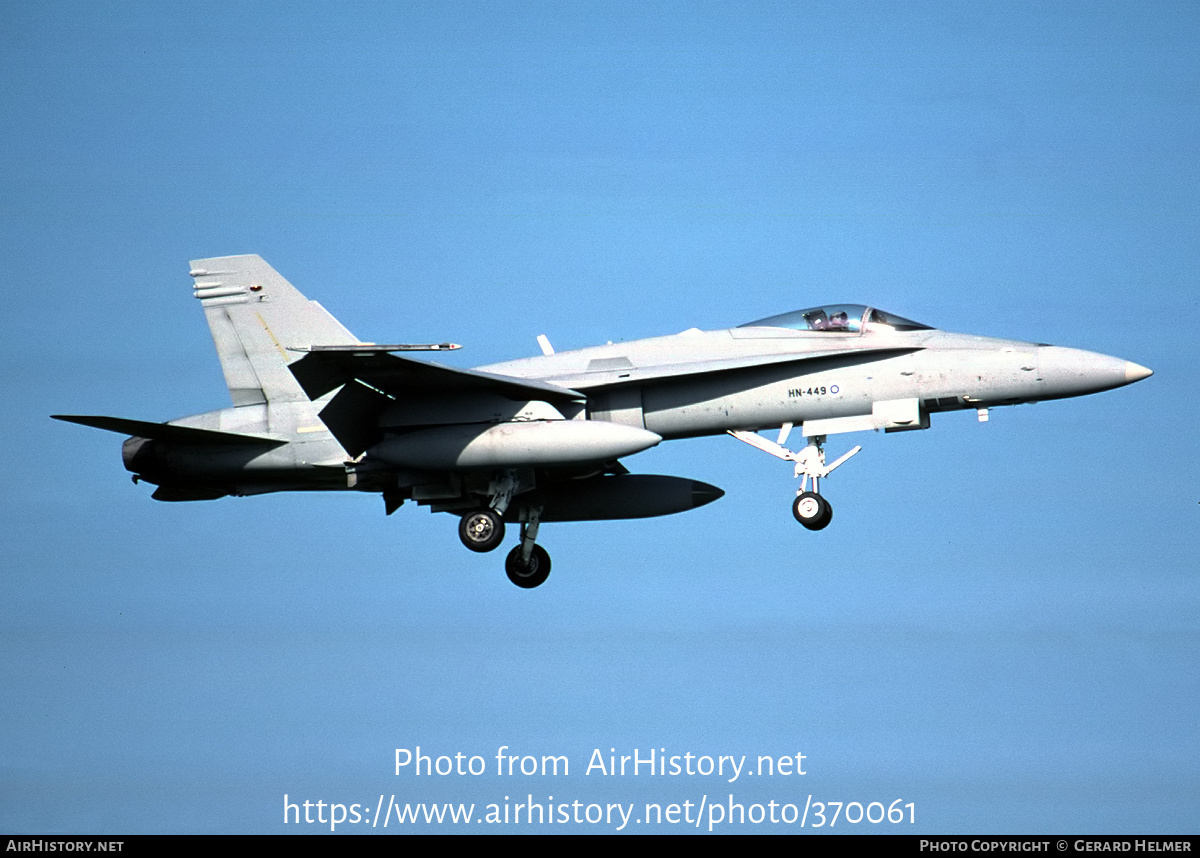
(324, 370)
(371, 380)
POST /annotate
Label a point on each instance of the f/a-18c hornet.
(540, 439)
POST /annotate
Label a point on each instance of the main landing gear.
(482, 530)
(810, 509)
(527, 565)
(530, 573)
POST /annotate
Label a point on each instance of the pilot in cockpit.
(817, 320)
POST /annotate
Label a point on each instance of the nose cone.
(1074, 372)
(1136, 372)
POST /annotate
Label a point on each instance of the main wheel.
(531, 574)
(481, 530)
(812, 511)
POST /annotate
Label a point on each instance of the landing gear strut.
(809, 508)
(528, 565)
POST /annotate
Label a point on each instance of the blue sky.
(999, 625)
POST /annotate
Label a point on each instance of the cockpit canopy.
(843, 318)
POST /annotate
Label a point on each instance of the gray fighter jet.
(541, 439)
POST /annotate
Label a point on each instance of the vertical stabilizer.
(255, 317)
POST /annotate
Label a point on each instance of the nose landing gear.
(809, 508)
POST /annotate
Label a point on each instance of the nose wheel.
(812, 510)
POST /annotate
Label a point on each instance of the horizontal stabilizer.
(168, 431)
(322, 371)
